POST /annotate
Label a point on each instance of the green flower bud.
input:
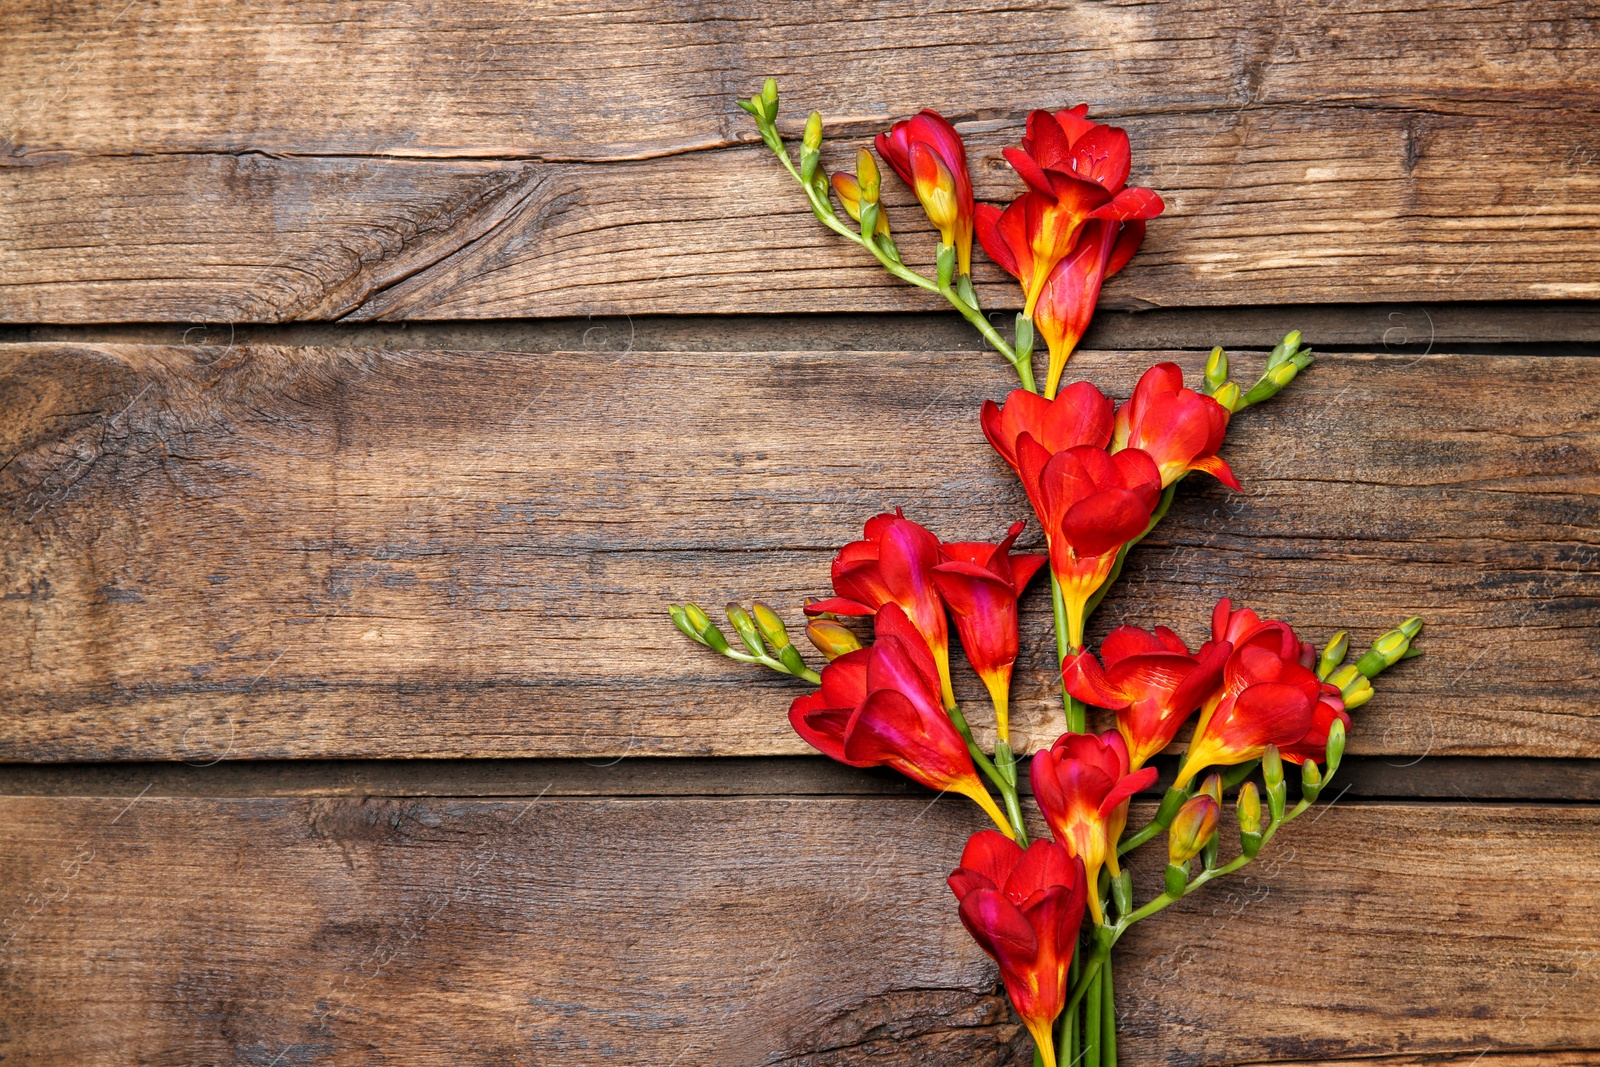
(1228, 396)
(811, 140)
(831, 638)
(1122, 892)
(771, 626)
(1388, 650)
(1335, 750)
(1333, 655)
(745, 627)
(681, 621)
(1272, 772)
(1249, 809)
(946, 263)
(1284, 349)
(791, 659)
(1177, 879)
(1353, 685)
(1310, 780)
(697, 618)
(1216, 370)
(1212, 787)
(769, 98)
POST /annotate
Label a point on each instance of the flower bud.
(867, 175)
(811, 140)
(1353, 686)
(1216, 370)
(1228, 396)
(831, 638)
(1335, 749)
(1193, 826)
(680, 619)
(1212, 787)
(1177, 879)
(769, 98)
(1284, 349)
(770, 625)
(1272, 773)
(1333, 655)
(1310, 781)
(1249, 808)
(1389, 649)
(745, 627)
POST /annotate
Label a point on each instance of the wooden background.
(372, 375)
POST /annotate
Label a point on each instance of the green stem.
(1074, 709)
(980, 322)
(808, 674)
(1008, 790)
(1149, 830)
(1091, 1017)
(1108, 1009)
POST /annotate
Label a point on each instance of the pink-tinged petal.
(1129, 239)
(1029, 171)
(879, 525)
(1134, 202)
(910, 660)
(864, 583)
(823, 727)
(1218, 468)
(1136, 782)
(985, 609)
(1085, 679)
(844, 680)
(895, 149)
(888, 728)
(997, 925)
(1102, 155)
(1104, 521)
(838, 606)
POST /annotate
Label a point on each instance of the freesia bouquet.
(1099, 477)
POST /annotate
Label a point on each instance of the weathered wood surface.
(748, 931)
(207, 162)
(260, 553)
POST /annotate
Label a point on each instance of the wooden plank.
(772, 931)
(263, 553)
(195, 162)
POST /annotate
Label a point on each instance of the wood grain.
(258, 553)
(749, 931)
(199, 162)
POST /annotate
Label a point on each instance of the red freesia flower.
(1076, 170)
(980, 583)
(928, 154)
(1024, 909)
(1181, 429)
(1089, 503)
(893, 565)
(1079, 415)
(1269, 695)
(1150, 679)
(1067, 301)
(1082, 784)
(879, 707)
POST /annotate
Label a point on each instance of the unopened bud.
(1177, 879)
(680, 619)
(1228, 396)
(697, 618)
(1310, 780)
(745, 627)
(770, 625)
(1284, 349)
(1333, 655)
(1212, 786)
(831, 638)
(1335, 748)
(1389, 649)
(867, 175)
(1193, 826)
(1272, 774)
(811, 140)
(1353, 686)
(1249, 809)
(1216, 370)
(769, 97)
(1282, 374)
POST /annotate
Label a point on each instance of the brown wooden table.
(372, 375)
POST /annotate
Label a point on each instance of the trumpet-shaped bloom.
(1090, 503)
(1269, 695)
(1314, 745)
(1150, 679)
(1024, 908)
(1079, 415)
(879, 707)
(1067, 301)
(980, 583)
(1082, 784)
(1181, 429)
(1076, 171)
(893, 564)
(929, 156)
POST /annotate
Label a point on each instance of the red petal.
(1102, 156)
(1047, 142)
(992, 855)
(1085, 679)
(987, 224)
(1136, 782)
(1079, 415)
(1218, 468)
(1134, 202)
(838, 606)
(998, 926)
(1029, 172)
(1100, 523)
(1128, 241)
(1044, 865)
(1127, 641)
